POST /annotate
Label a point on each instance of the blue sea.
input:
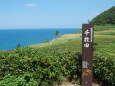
(9, 38)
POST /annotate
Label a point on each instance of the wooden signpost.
(87, 54)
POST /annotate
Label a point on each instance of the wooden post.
(87, 54)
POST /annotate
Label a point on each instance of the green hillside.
(50, 63)
(107, 17)
(104, 56)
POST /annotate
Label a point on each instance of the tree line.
(107, 17)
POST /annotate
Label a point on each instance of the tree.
(18, 46)
(57, 33)
(107, 17)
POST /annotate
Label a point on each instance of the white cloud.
(31, 5)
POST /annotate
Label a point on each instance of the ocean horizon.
(10, 38)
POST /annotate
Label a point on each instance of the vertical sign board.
(87, 54)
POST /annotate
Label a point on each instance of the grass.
(104, 41)
(104, 27)
(105, 45)
(107, 33)
(62, 44)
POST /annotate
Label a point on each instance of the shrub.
(45, 68)
(33, 67)
(104, 69)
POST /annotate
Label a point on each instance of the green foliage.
(107, 17)
(33, 67)
(57, 33)
(18, 46)
(9, 80)
(45, 68)
(104, 69)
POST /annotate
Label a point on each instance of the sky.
(23, 14)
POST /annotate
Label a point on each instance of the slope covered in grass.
(104, 44)
(104, 37)
(51, 62)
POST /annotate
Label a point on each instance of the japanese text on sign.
(87, 39)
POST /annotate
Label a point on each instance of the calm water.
(10, 38)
